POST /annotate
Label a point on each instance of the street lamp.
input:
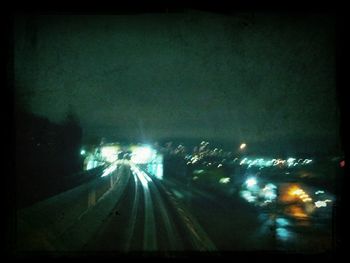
(242, 146)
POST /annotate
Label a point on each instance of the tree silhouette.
(47, 155)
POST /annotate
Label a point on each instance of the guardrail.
(42, 224)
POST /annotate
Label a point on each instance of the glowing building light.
(82, 152)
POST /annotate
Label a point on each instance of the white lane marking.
(149, 238)
(168, 226)
(133, 213)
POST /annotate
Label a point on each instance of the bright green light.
(110, 153)
(143, 155)
(82, 152)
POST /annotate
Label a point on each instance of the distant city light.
(242, 146)
(297, 212)
(297, 192)
(271, 186)
(248, 196)
(306, 161)
(270, 194)
(282, 222)
(194, 159)
(251, 182)
(260, 162)
(319, 192)
(319, 204)
(269, 191)
(283, 233)
(243, 161)
(82, 152)
(224, 180)
(307, 199)
(290, 162)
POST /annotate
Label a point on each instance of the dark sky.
(250, 77)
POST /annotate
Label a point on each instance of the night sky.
(245, 77)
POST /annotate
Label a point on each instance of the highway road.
(131, 211)
(148, 218)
